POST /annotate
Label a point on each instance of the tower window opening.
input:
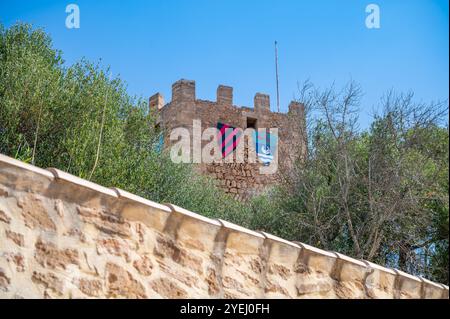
(251, 123)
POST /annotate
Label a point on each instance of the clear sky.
(151, 44)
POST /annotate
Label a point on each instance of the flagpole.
(276, 73)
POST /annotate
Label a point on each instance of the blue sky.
(151, 44)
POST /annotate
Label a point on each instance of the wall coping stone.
(176, 209)
(124, 194)
(279, 239)
(350, 260)
(317, 250)
(378, 267)
(19, 164)
(239, 229)
(69, 178)
(406, 275)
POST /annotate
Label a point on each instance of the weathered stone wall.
(64, 237)
(242, 180)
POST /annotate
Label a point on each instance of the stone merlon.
(156, 102)
(262, 102)
(225, 95)
(183, 91)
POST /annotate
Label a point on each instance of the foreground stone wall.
(64, 237)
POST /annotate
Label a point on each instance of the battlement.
(183, 91)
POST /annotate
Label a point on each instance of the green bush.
(53, 115)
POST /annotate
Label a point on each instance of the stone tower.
(241, 180)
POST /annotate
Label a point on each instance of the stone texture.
(90, 287)
(47, 255)
(122, 284)
(144, 266)
(35, 214)
(113, 246)
(48, 281)
(17, 259)
(4, 218)
(168, 248)
(168, 289)
(67, 246)
(4, 281)
(104, 221)
(17, 238)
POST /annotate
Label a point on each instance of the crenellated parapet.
(184, 91)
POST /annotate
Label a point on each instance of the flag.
(228, 138)
(265, 145)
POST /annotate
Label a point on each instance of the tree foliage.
(67, 116)
(380, 194)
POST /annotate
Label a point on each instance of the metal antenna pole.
(276, 71)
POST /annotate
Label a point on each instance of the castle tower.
(241, 180)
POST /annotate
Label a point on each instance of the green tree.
(76, 118)
(379, 194)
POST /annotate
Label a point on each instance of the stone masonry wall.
(64, 237)
(242, 180)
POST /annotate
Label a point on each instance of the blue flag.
(265, 145)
